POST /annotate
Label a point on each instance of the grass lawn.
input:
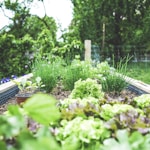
(139, 71)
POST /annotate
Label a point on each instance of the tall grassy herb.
(115, 81)
(77, 70)
(48, 70)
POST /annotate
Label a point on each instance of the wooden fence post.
(87, 45)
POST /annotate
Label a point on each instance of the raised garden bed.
(116, 111)
(9, 90)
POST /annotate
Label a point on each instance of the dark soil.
(60, 94)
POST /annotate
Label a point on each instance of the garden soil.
(60, 94)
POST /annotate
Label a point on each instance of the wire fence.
(137, 53)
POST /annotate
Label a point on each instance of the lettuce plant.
(71, 103)
(103, 68)
(87, 88)
(143, 100)
(132, 120)
(108, 111)
(85, 131)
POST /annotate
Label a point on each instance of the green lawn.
(139, 71)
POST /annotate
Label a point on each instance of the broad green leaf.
(3, 145)
(122, 135)
(43, 143)
(42, 108)
(15, 110)
(10, 125)
(136, 139)
(112, 144)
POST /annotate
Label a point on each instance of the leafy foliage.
(82, 130)
(87, 88)
(47, 103)
(124, 141)
(48, 68)
(108, 111)
(68, 50)
(18, 51)
(143, 100)
(111, 25)
(113, 83)
(114, 79)
(79, 102)
(77, 70)
(23, 37)
(17, 127)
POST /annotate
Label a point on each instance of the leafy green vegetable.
(87, 88)
(103, 68)
(78, 102)
(109, 111)
(83, 130)
(143, 100)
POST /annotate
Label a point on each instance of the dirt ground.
(60, 95)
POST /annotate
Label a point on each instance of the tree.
(123, 20)
(27, 34)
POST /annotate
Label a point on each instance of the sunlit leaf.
(42, 108)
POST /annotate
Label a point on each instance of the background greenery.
(116, 27)
(139, 71)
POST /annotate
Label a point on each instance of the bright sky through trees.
(61, 10)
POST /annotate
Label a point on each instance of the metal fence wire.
(138, 53)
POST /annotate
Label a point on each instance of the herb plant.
(114, 77)
(49, 71)
(77, 70)
(26, 85)
(113, 83)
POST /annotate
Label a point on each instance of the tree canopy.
(113, 23)
(23, 37)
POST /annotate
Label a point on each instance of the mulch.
(60, 94)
